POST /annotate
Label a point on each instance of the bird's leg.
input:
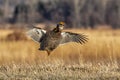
(48, 51)
(39, 49)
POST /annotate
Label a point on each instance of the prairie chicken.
(49, 40)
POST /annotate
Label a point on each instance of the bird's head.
(60, 25)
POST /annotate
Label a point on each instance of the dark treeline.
(77, 13)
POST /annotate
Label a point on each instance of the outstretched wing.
(36, 33)
(73, 37)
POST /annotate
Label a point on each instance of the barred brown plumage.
(49, 40)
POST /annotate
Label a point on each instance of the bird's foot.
(39, 49)
(48, 52)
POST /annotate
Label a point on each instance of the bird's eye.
(61, 25)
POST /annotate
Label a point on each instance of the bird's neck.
(56, 30)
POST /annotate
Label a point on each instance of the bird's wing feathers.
(36, 34)
(73, 37)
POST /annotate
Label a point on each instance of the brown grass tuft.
(16, 36)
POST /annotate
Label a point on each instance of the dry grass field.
(98, 59)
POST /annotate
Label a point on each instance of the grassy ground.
(60, 71)
(97, 59)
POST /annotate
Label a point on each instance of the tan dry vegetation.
(97, 59)
(103, 45)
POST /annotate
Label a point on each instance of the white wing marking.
(36, 34)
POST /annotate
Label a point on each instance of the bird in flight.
(49, 40)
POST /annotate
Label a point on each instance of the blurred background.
(76, 13)
(98, 19)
